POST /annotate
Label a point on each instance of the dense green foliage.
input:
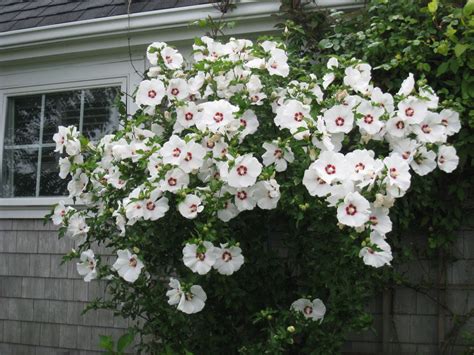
(435, 41)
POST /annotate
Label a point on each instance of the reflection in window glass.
(19, 172)
(100, 114)
(30, 165)
(51, 184)
(61, 109)
(23, 120)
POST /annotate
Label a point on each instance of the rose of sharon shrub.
(234, 132)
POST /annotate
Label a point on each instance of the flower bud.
(291, 329)
(136, 250)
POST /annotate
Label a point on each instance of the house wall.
(41, 301)
(411, 320)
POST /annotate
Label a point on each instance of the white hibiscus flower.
(177, 89)
(277, 64)
(199, 258)
(229, 259)
(292, 115)
(354, 211)
(331, 167)
(378, 254)
(189, 302)
(314, 310)
(370, 123)
(450, 120)
(150, 92)
(407, 86)
(424, 161)
(267, 194)
(172, 58)
(174, 180)
(412, 110)
(128, 265)
(448, 160)
(339, 118)
(77, 228)
(190, 206)
(215, 115)
(87, 266)
(276, 155)
(243, 173)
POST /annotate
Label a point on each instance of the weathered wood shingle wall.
(41, 301)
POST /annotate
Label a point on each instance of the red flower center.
(374, 220)
(188, 116)
(406, 155)
(340, 121)
(368, 119)
(189, 156)
(409, 112)
(176, 152)
(218, 117)
(174, 91)
(351, 210)
(320, 181)
(400, 125)
(201, 256)
(359, 167)
(441, 159)
(150, 206)
(132, 262)
(242, 170)
(308, 310)
(426, 129)
(243, 122)
(193, 208)
(298, 116)
(169, 59)
(241, 195)
(274, 65)
(152, 94)
(444, 122)
(226, 256)
(393, 173)
(172, 181)
(330, 169)
(278, 153)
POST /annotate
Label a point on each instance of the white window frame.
(36, 207)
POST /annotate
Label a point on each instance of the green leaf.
(442, 68)
(433, 6)
(325, 44)
(460, 48)
(468, 8)
(124, 341)
(106, 342)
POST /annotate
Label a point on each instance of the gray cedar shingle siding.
(41, 301)
(17, 14)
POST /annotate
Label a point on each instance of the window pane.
(100, 114)
(19, 172)
(61, 109)
(23, 120)
(50, 182)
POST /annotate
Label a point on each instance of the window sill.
(29, 207)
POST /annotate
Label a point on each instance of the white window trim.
(37, 207)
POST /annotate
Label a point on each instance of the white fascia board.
(110, 33)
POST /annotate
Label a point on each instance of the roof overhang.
(111, 33)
